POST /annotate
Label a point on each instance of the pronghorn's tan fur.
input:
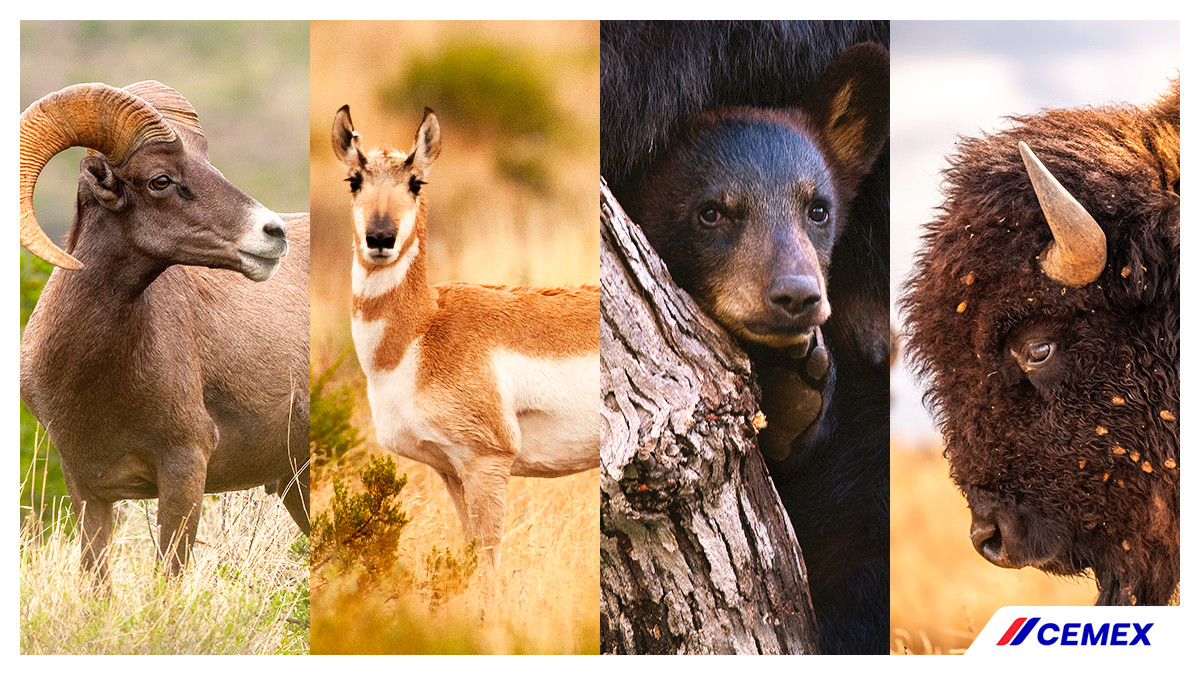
(479, 382)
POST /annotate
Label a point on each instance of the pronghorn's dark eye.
(159, 183)
(415, 184)
(355, 180)
(818, 212)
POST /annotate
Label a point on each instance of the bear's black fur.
(754, 157)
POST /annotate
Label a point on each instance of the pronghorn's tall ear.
(347, 144)
(427, 144)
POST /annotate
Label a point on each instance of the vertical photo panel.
(164, 345)
(1035, 275)
(746, 337)
(456, 335)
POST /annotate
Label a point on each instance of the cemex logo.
(1076, 634)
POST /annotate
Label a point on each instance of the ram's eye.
(818, 213)
(1035, 354)
(710, 216)
(159, 183)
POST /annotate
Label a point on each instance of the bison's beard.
(1154, 582)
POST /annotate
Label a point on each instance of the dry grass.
(943, 592)
(544, 599)
(245, 591)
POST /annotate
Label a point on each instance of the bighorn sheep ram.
(478, 382)
(155, 363)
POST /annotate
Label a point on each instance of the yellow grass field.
(504, 208)
(943, 591)
(245, 590)
(544, 599)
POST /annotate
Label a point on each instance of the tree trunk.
(697, 553)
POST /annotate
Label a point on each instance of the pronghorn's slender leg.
(455, 487)
(485, 484)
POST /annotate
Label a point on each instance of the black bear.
(768, 205)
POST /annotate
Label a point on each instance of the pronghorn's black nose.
(381, 241)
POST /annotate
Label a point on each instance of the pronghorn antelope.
(479, 382)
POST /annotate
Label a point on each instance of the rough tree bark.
(697, 554)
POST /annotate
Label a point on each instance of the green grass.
(244, 592)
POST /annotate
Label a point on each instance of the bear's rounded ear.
(849, 103)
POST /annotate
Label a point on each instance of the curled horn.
(169, 103)
(1079, 251)
(96, 116)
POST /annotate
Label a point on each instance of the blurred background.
(248, 82)
(512, 201)
(952, 79)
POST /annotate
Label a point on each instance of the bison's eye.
(1035, 354)
(160, 183)
(818, 212)
(710, 215)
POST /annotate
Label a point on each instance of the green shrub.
(332, 434)
(362, 529)
(488, 88)
(449, 574)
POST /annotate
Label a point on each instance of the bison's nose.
(987, 535)
(799, 296)
(986, 538)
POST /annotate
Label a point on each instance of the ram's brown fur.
(156, 379)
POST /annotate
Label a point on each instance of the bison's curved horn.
(95, 116)
(1079, 251)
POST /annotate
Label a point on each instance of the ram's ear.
(347, 144)
(97, 176)
(849, 103)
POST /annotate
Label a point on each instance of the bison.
(1043, 314)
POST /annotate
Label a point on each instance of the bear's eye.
(818, 212)
(710, 215)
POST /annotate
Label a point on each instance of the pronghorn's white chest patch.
(553, 407)
(401, 424)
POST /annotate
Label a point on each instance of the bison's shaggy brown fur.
(1069, 459)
